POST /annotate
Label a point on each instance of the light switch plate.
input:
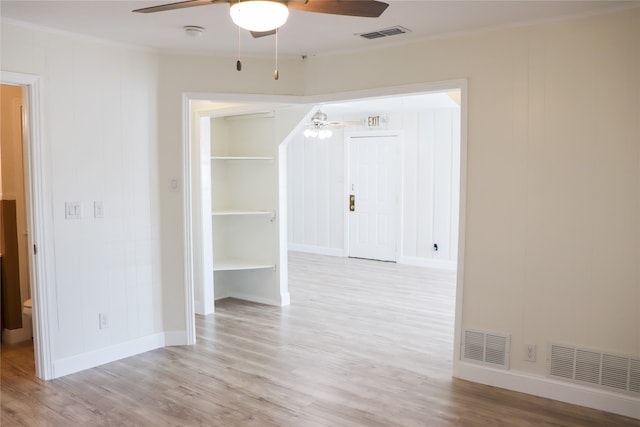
(72, 210)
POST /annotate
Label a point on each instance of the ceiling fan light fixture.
(324, 133)
(259, 15)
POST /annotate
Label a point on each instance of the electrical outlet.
(530, 352)
(98, 209)
(104, 320)
(174, 184)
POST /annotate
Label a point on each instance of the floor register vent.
(486, 348)
(590, 367)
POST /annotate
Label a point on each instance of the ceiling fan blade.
(178, 5)
(362, 8)
(258, 34)
(343, 123)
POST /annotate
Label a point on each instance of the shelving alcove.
(244, 203)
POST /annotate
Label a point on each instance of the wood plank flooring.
(363, 343)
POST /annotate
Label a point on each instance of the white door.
(374, 194)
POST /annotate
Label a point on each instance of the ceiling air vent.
(387, 32)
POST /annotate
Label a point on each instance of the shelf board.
(241, 158)
(242, 212)
(234, 265)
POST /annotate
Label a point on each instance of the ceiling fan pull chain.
(238, 62)
(276, 75)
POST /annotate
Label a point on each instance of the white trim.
(266, 101)
(187, 211)
(551, 389)
(175, 338)
(319, 250)
(387, 92)
(462, 221)
(283, 237)
(40, 226)
(283, 187)
(441, 86)
(260, 300)
(428, 263)
(91, 359)
(203, 259)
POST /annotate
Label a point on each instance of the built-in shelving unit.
(244, 199)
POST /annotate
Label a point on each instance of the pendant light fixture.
(259, 15)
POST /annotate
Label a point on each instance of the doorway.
(14, 253)
(329, 239)
(430, 187)
(427, 191)
(38, 220)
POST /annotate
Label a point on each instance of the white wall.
(431, 186)
(99, 129)
(315, 191)
(552, 249)
(553, 177)
(430, 177)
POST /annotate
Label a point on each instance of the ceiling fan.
(264, 17)
(257, 22)
(320, 126)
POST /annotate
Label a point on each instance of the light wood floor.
(362, 344)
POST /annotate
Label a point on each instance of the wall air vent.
(486, 348)
(387, 32)
(591, 367)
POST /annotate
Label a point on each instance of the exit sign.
(376, 121)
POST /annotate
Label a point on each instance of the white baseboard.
(253, 298)
(319, 250)
(13, 336)
(407, 260)
(575, 394)
(200, 308)
(285, 299)
(175, 338)
(428, 263)
(94, 358)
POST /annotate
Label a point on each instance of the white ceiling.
(304, 33)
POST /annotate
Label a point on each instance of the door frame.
(38, 210)
(190, 238)
(399, 183)
(192, 218)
